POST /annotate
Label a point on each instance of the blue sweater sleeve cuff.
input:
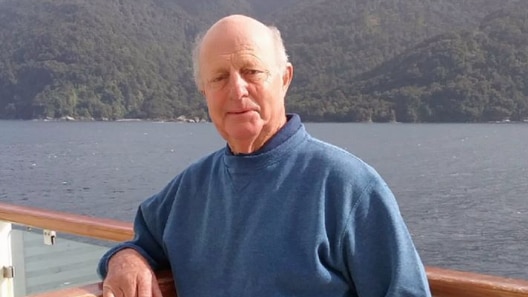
(102, 268)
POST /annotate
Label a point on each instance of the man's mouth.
(241, 111)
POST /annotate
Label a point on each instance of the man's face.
(242, 82)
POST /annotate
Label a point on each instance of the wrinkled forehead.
(236, 41)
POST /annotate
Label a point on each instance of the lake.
(462, 188)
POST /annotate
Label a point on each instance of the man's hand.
(130, 275)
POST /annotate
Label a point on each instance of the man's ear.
(287, 76)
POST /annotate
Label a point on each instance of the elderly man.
(274, 213)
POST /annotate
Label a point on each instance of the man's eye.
(252, 71)
(217, 82)
(254, 74)
(218, 78)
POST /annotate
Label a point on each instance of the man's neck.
(249, 146)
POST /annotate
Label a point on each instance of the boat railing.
(443, 282)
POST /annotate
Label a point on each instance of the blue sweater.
(298, 218)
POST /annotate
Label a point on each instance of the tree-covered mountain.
(131, 59)
(462, 76)
(332, 41)
(103, 59)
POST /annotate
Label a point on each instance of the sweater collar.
(293, 123)
(283, 142)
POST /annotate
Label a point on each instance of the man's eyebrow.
(255, 64)
(217, 69)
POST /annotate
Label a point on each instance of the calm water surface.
(462, 188)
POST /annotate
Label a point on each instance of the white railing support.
(6, 262)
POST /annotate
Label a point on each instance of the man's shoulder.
(328, 152)
(207, 162)
(196, 173)
(337, 161)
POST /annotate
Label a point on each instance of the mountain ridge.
(131, 59)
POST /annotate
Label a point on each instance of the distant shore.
(180, 119)
(190, 119)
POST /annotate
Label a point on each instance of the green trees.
(462, 76)
(355, 60)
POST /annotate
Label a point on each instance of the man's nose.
(238, 86)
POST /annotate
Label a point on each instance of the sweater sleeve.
(378, 249)
(149, 225)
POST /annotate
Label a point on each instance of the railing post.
(6, 262)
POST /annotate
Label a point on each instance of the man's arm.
(128, 268)
(379, 250)
(146, 243)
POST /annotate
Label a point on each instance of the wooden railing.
(98, 228)
(443, 282)
(95, 290)
(452, 283)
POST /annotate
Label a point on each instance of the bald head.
(233, 29)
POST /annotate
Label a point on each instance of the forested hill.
(97, 58)
(475, 75)
(355, 60)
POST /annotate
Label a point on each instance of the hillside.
(334, 40)
(92, 59)
(462, 76)
(131, 59)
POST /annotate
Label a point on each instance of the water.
(462, 188)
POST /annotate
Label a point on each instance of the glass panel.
(70, 262)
